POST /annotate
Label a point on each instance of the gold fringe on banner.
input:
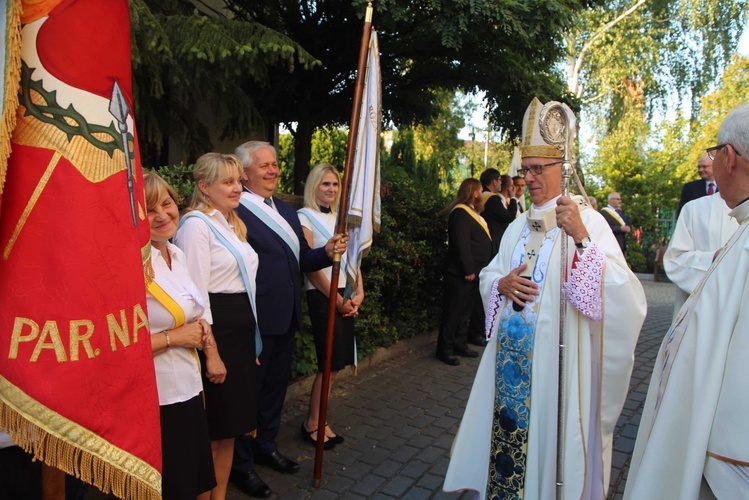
(46, 435)
(12, 77)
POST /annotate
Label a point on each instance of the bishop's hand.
(518, 288)
(568, 218)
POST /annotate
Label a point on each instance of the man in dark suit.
(703, 187)
(519, 184)
(617, 220)
(497, 213)
(274, 232)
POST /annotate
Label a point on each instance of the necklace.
(167, 257)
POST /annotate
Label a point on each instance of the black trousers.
(273, 376)
(460, 297)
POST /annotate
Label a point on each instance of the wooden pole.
(341, 229)
(53, 483)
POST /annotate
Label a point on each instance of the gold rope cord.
(66, 445)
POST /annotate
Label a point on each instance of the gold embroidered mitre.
(549, 141)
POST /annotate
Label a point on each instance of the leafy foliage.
(187, 64)
(508, 49)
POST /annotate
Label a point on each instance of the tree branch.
(598, 34)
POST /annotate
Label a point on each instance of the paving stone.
(368, 485)
(417, 493)
(414, 468)
(397, 486)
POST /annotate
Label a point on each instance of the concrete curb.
(400, 348)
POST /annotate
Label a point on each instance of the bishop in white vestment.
(702, 229)
(693, 440)
(506, 444)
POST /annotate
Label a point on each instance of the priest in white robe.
(693, 440)
(506, 444)
(702, 229)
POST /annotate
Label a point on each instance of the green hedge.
(402, 273)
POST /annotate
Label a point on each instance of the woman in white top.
(175, 308)
(223, 266)
(318, 218)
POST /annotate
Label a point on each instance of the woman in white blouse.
(223, 266)
(318, 218)
(175, 308)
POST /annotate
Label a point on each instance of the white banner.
(363, 216)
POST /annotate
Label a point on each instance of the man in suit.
(703, 187)
(519, 183)
(274, 232)
(497, 213)
(617, 220)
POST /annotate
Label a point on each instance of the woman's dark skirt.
(186, 450)
(231, 407)
(343, 338)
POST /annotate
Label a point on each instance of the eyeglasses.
(711, 152)
(536, 169)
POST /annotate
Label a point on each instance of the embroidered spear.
(365, 154)
(557, 127)
(119, 109)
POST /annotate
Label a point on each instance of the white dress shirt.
(212, 266)
(177, 372)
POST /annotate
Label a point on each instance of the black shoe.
(337, 439)
(250, 484)
(277, 462)
(307, 436)
(449, 359)
(467, 353)
(479, 341)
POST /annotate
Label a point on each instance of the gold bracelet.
(167, 340)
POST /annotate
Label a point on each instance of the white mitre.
(550, 141)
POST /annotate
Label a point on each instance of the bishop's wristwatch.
(584, 243)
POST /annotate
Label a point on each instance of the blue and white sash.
(272, 219)
(314, 218)
(224, 240)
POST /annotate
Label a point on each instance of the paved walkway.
(399, 418)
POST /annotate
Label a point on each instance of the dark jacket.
(692, 191)
(498, 217)
(279, 275)
(616, 228)
(469, 248)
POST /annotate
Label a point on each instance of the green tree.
(184, 59)
(505, 48)
(329, 146)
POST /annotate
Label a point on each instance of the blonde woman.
(318, 218)
(175, 310)
(223, 266)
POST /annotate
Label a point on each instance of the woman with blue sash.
(223, 266)
(175, 311)
(318, 218)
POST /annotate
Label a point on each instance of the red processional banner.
(77, 383)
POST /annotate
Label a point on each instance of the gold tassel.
(72, 460)
(12, 82)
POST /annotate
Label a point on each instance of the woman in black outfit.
(469, 250)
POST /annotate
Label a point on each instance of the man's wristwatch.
(584, 243)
